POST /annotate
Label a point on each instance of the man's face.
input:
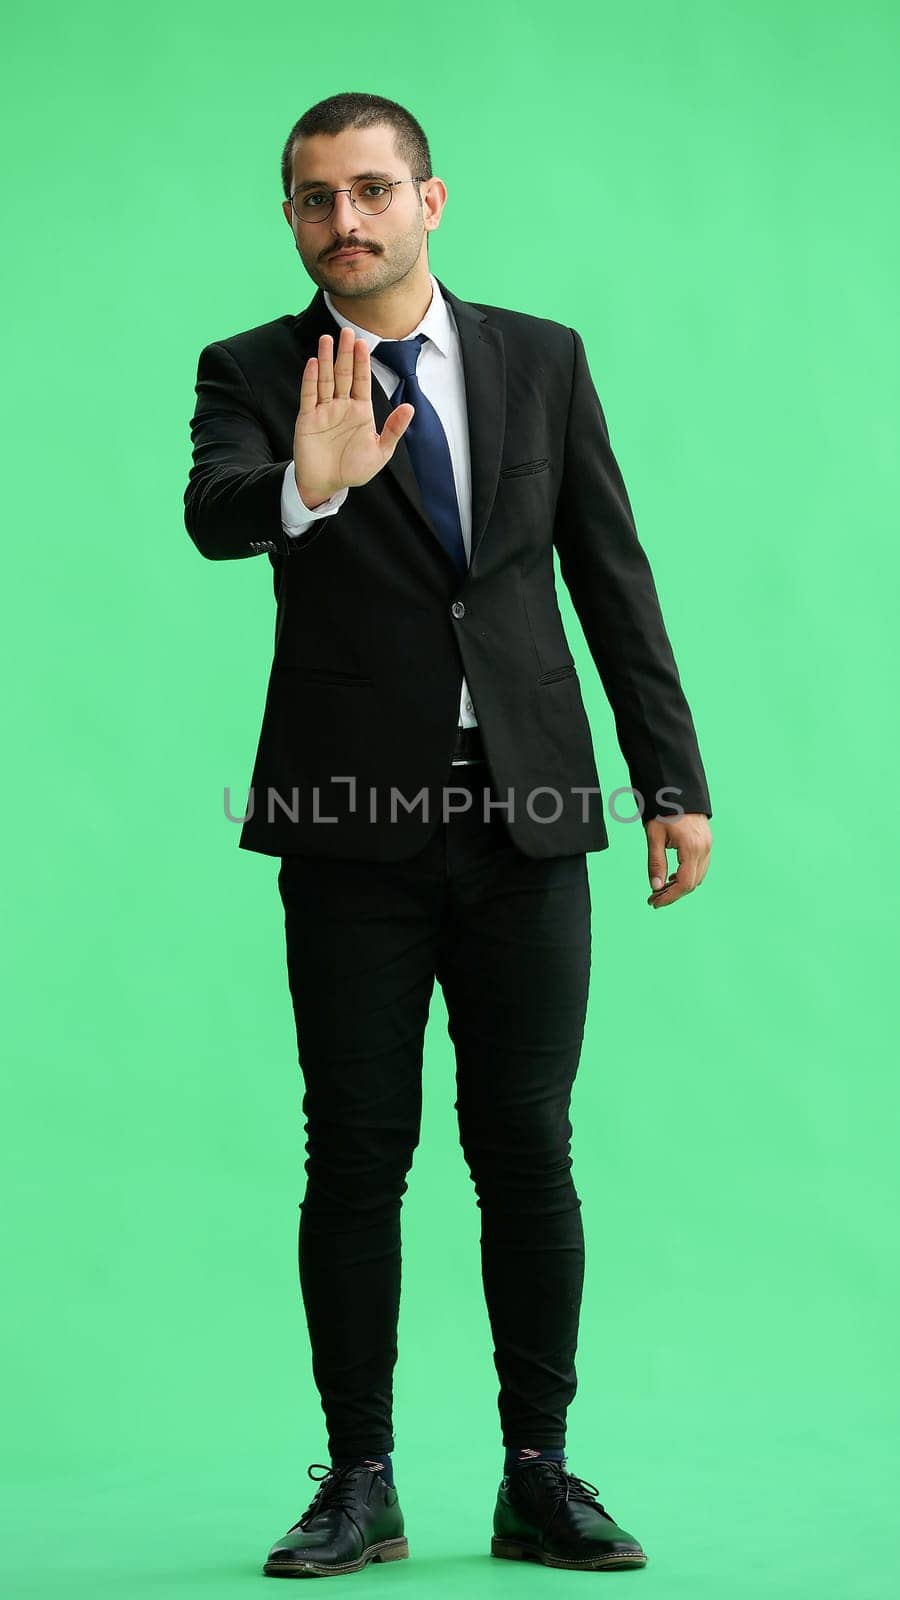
(391, 242)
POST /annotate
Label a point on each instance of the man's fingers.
(666, 896)
(344, 375)
(318, 377)
(360, 372)
(345, 363)
(683, 881)
(395, 426)
(326, 366)
(688, 871)
(309, 387)
(657, 864)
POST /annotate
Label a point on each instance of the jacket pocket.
(333, 676)
(540, 464)
(558, 672)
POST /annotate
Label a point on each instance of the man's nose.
(344, 217)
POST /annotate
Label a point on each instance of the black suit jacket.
(373, 627)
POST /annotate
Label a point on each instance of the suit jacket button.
(458, 608)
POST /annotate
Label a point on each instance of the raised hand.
(336, 445)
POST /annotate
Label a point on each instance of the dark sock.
(383, 1457)
(519, 1456)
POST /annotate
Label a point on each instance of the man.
(426, 775)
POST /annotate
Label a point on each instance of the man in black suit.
(425, 773)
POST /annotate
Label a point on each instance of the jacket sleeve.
(608, 576)
(232, 503)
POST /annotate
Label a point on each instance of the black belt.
(469, 746)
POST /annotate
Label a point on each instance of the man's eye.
(379, 186)
(310, 198)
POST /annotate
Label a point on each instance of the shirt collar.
(435, 323)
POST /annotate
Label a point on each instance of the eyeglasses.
(368, 195)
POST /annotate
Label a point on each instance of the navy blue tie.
(427, 445)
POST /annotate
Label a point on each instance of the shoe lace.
(566, 1486)
(335, 1489)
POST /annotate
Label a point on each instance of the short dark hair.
(342, 111)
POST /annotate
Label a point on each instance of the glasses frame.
(386, 183)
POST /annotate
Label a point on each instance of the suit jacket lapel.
(484, 368)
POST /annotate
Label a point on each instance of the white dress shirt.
(442, 380)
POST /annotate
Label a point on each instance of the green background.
(707, 193)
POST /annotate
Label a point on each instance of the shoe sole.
(385, 1550)
(513, 1550)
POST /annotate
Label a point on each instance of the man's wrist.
(312, 498)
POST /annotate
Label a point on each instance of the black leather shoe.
(353, 1518)
(545, 1514)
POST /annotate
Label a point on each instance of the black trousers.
(508, 937)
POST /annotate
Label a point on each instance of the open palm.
(336, 444)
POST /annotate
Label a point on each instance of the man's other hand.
(691, 838)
